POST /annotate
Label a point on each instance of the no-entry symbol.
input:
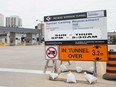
(51, 52)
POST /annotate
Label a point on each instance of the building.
(1, 20)
(14, 21)
(110, 39)
(19, 36)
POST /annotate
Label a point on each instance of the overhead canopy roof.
(18, 30)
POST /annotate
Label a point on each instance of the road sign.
(83, 52)
(76, 26)
(78, 36)
(51, 52)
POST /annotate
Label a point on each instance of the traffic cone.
(111, 66)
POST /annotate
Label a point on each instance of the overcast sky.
(32, 10)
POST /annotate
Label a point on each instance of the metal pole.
(95, 68)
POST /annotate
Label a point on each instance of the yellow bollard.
(24, 43)
(1, 44)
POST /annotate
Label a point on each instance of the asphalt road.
(22, 66)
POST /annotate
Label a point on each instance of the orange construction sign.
(83, 52)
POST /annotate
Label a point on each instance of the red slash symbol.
(51, 52)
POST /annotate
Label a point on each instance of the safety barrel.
(111, 66)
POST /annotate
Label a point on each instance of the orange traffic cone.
(111, 66)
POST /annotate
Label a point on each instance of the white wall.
(18, 36)
(8, 38)
(1, 20)
(35, 38)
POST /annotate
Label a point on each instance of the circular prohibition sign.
(51, 52)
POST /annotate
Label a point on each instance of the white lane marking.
(2, 86)
(23, 71)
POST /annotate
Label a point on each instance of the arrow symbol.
(97, 58)
(97, 47)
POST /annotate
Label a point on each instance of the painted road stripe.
(23, 71)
